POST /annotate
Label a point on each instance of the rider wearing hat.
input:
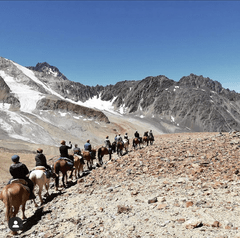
(42, 161)
(64, 153)
(64, 149)
(19, 170)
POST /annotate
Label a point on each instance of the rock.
(153, 200)
(123, 209)
(191, 224)
(189, 204)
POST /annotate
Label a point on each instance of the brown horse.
(78, 166)
(120, 146)
(63, 166)
(13, 196)
(137, 141)
(104, 151)
(87, 156)
(145, 139)
(114, 145)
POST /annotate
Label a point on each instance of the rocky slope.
(185, 185)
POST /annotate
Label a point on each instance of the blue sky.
(103, 42)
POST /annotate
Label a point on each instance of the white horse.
(39, 178)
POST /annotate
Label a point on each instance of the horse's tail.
(32, 177)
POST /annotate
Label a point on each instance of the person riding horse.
(88, 147)
(119, 138)
(136, 134)
(126, 137)
(77, 151)
(19, 170)
(42, 161)
(64, 153)
(108, 144)
(145, 134)
(151, 135)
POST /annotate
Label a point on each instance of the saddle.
(23, 182)
(40, 168)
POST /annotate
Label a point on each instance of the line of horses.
(17, 193)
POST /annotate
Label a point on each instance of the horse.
(145, 139)
(126, 144)
(114, 146)
(87, 156)
(39, 178)
(151, 139)
(137, 141)
(63, 166)
(78, 166)
(120, 146)
(13, 196)
(104, 151)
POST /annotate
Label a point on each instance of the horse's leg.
(40, 187)
(64, 176)
(47, 187)
(15, 212)
(23, 211)
(56, 182)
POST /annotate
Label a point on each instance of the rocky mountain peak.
(200, 82)
(48, 69)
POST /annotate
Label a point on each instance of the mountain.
(38, 104)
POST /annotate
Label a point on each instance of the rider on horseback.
(136, 134)
(42, 161)
(145, 134)
(88, 147)
(151, 135)
(119, 138)
(19, 170)
(126, 137)
(64, 153)
(108, 144)
(77, 151)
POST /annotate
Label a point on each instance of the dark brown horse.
(13, 196)
(89, 156)
(120, 146)
(145, 140)
(63, 166)
(137, 141)
(104, 151)
(151, 139)
(114, 146)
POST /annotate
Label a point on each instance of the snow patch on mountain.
(27, 96)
